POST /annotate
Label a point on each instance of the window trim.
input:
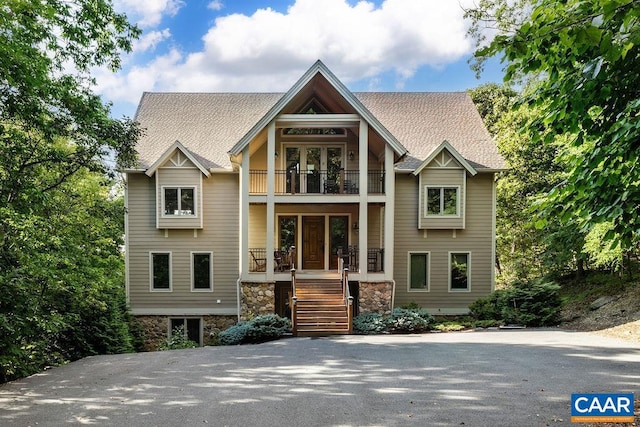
(426, 213)
(151, 284)
(192, 258)
(179, 188)
(468, 253)
(184, 330)
(428, 288)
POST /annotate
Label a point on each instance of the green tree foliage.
(584, 55)
(61, 266)
(524, 250)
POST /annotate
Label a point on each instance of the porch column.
(389, 212)
(244, 215)
(363, 217)
(271, 186)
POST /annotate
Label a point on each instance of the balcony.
(285, 260)
(316, 182)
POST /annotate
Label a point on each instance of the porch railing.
(351, 257)
(316, 182)
(284, 260)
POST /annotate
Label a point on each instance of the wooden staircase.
(321, 308)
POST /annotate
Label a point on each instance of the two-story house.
(234, 190)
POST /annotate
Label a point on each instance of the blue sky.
(265, 46)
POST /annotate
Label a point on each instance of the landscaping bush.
(259, 329)
(400, 321)
(177, 341)
(408, 321)
(233, 335)
(369, 323)
(524, 303)
(266, 327)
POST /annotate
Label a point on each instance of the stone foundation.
(156, 328)
(257, 299)
(375, 297)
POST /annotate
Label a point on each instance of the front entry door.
(313, 243)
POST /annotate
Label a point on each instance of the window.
(201, 271)
(418, 271)
(459, 271)
(160, 271)
(179, 201)
(189, 327)
(441, 201)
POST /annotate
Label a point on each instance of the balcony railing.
(375, 259)
(316, 182)
(284, 260)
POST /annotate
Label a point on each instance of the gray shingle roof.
(209, 124)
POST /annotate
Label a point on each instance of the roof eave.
(316, 68)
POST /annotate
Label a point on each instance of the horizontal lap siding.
(179, 177)
(219, 235)
(476, 238)
(442, 178)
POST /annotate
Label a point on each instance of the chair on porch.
(260, 264)
(281, 261)
(331, 186)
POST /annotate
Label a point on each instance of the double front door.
(315, 252)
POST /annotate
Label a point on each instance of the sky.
(265, 46)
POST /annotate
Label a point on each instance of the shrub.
(369, 323)
(525, 303)
(400, 321)
(177, 341)
(266, 327)
(233, 335)
(408, 321)
(259, 329)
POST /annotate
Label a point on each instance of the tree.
(61, 268)
(584, 55)
(524, 251)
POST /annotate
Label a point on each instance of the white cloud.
(215, 5)
(149, 41)
(148, 13)
(269, 50)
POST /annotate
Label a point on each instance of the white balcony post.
(244, 214)
(363, 165)
(389, 211)
(271, 186)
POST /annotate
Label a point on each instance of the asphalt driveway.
(488, 378)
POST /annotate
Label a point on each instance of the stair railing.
(348, 299)
(293, 304)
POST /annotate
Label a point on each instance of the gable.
(445, 156)
(322, 84)
(177, 156)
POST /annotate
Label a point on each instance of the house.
(234, 190)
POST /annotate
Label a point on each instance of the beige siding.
(179, 177)
(476, 238)
(441, 177)
(219, 235)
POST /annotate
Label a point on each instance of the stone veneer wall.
(257, 299)
(375, 297)
(156, 328)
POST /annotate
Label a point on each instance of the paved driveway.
(489, 378)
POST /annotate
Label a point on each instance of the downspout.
(393, 294)
(238, 295)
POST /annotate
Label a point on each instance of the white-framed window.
(418, 274)
(179, 201)
(160, 271)
(441, 201)
(190, 327)
(201, 271)
(459, 271)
